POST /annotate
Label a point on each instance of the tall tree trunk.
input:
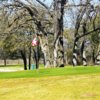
(58, 36)
(84, 27)
(77, 26)
(56, 54)
(36, 56)
(44, 62)
(59, 53)
(29, 65)
(23, 53)
(93, 56)
(83, 54)
(5, 61)
(4, 58)
(75, 53)
(45, 49)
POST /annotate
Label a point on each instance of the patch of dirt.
(89, 95)
(10, 70)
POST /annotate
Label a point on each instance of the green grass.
(78, 83)
(72, 87)
(19, 65)
(51, 72)
(10, 66)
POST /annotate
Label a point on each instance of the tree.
(58, 30)
(44, 21)
(86, 10)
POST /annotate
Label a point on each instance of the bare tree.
(82, 19)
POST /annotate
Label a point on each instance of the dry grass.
(78, 87)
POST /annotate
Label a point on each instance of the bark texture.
(58, 30)
(83, 54)
(23, 53)
(46, 50)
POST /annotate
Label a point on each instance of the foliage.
(20, 20)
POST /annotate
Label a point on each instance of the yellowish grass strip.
(79, 87)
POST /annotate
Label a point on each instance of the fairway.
(79, 87)
(79, 83)
(51, 72)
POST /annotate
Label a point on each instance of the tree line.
(21, 21)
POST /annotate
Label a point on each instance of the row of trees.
(22, 20)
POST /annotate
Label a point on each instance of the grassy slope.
(50, 72)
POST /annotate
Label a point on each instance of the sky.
(48, 2)
(68, 19)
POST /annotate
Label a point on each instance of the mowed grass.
(74, 87)
(79, 83)
(51, 72)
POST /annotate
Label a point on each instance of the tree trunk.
(58, 30)
(4, 58)
(36, 56)
(56, 54)
(97, 61)
(23, 53)
(45, 49)
(5, 61)
(29, 65)
(59, 53)
(75, 53)
(44, 62)
(77, 26)
(93, 56)
(83, 54)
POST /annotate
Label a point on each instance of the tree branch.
(42, 4)
(78, 37)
